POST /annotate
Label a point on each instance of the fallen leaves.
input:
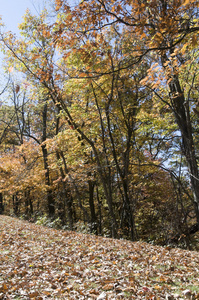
(39, 263)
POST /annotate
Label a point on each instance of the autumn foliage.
(38, 263)
(99, 125)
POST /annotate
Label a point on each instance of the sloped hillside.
(41, 263)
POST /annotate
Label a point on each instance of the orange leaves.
(46, 33)
(116, 8)
(154, 77)
(11, 69)
(58, 4)
(57, 76)
(18, 175)
(3, 288)
(35, 56)
(186, 2)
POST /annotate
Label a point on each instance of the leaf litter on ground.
(38, 263)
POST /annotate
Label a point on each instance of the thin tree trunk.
(28, 203)
(50, 199)
(91, 185)
(16, 201)
(1, 203)
(67, 196)
(99, 210)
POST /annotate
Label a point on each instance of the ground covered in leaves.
(41, 263)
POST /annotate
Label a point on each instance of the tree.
(164, 30)
(105, 77)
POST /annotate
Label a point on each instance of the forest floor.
(37, 262)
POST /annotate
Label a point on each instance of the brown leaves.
(17, 88)
(68, 265)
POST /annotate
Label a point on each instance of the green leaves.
(120, 83)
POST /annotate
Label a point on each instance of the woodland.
(98, 119)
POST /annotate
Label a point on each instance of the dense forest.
(98, 119)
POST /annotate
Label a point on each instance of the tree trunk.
(67, 200)
(99, 210)
(67, 197)
(91, 185)
(76, 190)
(28, 203)
(1, 203)
(15, 200)
(50, 199)
(182, 115)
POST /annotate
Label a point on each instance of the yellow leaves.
(157, 287)
(80, 63)
(186, 2)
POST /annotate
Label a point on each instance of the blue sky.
(12, 11)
